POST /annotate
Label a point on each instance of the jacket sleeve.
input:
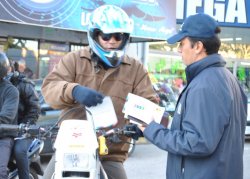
(203, 123)
(58, 85)
(9, 108)
(32, 106)
(143, 86)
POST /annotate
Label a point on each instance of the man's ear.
(199, 47)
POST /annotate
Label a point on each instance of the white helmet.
(109, 19)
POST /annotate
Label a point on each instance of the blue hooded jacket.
(207, 134)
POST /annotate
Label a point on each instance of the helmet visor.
(117, 36)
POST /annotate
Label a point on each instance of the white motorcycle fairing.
(76, 155)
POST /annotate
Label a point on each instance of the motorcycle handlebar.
(118, 131)
(113, 134)
(16, 130)
(8, 130)
(34, 130)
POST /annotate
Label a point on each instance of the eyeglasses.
(107, 37)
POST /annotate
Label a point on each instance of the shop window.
(242, 72)
(75, 47)
(3, 44)
(168, 69)
(25, 52)
(50, 54)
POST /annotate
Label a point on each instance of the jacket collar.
(214, 60)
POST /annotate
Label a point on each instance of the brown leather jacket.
(77, 68)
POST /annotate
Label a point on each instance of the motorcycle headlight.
(75, 160)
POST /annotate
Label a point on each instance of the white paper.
(104, 114)
(142, 110)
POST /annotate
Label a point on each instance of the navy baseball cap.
(199, 25)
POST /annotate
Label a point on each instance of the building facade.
(38, 33)
(233, 16)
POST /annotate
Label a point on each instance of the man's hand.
(87, 96)
(165, 119)
(133, 131)
(142, 128)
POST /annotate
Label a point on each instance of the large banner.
(153, 19)
(233, 13)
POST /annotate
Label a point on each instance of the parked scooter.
(35, 148)
(78, 146)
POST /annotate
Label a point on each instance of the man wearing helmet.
(102, 69)
(9, 99)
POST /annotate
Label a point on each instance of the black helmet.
(4, 65)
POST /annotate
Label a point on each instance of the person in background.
(101, 69)
(206, 138)
(9, 98)
(24, 69)
(28, 113)
(28, 73)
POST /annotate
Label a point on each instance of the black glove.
(87, 96)
(133, 131)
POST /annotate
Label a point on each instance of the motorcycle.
(78, 145)
(35, 148)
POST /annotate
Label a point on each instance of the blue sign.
(233, 13)
(153, 19)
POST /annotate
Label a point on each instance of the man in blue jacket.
(206, 138)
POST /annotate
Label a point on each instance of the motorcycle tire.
(131, 147)
(33, 174)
